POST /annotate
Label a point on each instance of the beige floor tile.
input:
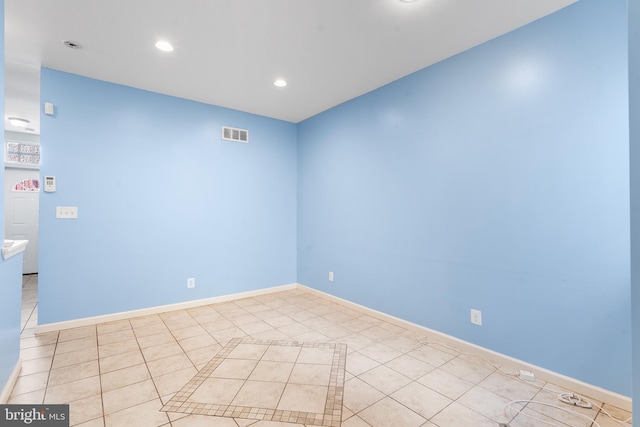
(116, 336)
(358, 363)
(124, 377)
(234, 369)
(77, 333)
(120, 347)
(384, 379)
(174, 381)
(356, 341)
(619, 414)
(248, 351)
(221, 391)
(39, 340)
(380, 353)
(73, 358)
(530, 418)
(278, 353)
(509, 386)
(162, 350)
(359, 395)
(98, 422)
(120, 361)
(34, 366)
(355, 421)
(421, 399)
(169, 364)
(156, 339)
(316, 356)
(87, 409)
(431, 355)
(243, 319)
(295, 329)
(222, 336)
(486, 403)
(271, 371)
(303, 398)
(445, 383)
(73, 373)
(203, 355)
(456, 415)
(111, 327)
(271, 334)
(472, 369)
(142, 415)
(259, 394)
(389, 413)
(129, 396)
(34, 397)
(205, 421)
(151, 329)
(175, 325)
(152, 319)
(256, 328)
(409, 366)
(313, 337)
(197, 342)
(310, 374)
(37, 352)
(188, 332)
(280, 321)
(76, 345)
(32, 382)
(75, 390)
(401, 343)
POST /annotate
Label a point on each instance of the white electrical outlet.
(476, 317)
(191, 282)
(331, 276)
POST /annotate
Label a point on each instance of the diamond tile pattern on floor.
(286, 359)
(262, 385)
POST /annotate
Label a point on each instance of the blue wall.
(11, 269)
(160, 198)
(634, 150)
(495, 180)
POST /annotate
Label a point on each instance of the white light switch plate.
(66, 212)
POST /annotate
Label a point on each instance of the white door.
(21, 198)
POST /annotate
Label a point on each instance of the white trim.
(14, 248)
(598, 393)
(87, 321)
(594, 392)
(11, 382)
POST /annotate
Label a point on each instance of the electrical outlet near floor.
(476, 317)
(191, 282)
(331, 276)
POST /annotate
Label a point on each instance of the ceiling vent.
(233, 134)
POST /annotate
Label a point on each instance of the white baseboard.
(11, 382)
(87, 321)
(577, 386)
(594, 392)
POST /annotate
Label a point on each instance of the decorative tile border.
(332, 416)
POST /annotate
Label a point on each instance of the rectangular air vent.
(233, 134)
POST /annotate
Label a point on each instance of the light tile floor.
(131, 372)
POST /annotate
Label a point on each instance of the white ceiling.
(229, 52)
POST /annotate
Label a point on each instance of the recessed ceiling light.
(164, 46)
(70, 44)
(280, 83)
(408, 1)
(18, 122)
